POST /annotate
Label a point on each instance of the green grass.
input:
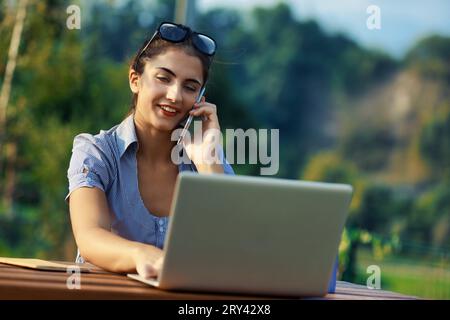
(425, 277)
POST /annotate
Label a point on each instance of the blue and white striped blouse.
(108, 161)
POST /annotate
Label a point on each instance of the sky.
(403, 22)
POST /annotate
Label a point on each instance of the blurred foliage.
(431, 56)
(346, 114)
(368, 148)
(352, 239)
(435, 142)
(430, 218)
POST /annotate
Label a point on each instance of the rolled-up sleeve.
(89, 165)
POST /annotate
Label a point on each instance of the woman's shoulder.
(102, 142)
(93, 161)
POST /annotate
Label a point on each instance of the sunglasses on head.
(175, 33)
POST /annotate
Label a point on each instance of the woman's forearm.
(112, 252)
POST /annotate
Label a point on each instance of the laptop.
(252, 235)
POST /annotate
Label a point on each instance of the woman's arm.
(198, 151)
(91, 224)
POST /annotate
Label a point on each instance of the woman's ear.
(133, 78)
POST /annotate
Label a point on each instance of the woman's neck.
(155, 146)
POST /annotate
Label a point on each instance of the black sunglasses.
(173, 32)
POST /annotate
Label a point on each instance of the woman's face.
(167, 89)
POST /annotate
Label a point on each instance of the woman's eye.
(190, 88)
(163, 79)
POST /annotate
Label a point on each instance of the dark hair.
(160, 46)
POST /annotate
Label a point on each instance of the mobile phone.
(189, 119)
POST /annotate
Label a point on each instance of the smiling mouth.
(167, 108)
(168, 111)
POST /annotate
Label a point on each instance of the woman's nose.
(174, 93)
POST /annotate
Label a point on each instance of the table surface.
(23, 283)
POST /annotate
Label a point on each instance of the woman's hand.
(208, 112)
(203, 151)
(148, 260)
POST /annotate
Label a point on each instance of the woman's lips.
(167, 113)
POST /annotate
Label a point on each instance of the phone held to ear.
(189, 119)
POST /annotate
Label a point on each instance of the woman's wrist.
(210, 168)
(145, 252)
(136, 253)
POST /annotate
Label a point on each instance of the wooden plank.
(22, 283)
(347, 290)
(34, 284)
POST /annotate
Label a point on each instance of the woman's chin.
(161, 122)
(168, 126)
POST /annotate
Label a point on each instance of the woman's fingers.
(208, 112)
(158, 264)
(147, 271)
(204, 110)
(202, 106)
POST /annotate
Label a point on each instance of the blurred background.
(369, 107)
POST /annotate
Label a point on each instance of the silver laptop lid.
(253, 234)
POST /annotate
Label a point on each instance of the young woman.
(121, 181)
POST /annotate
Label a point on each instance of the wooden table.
(22, 283)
